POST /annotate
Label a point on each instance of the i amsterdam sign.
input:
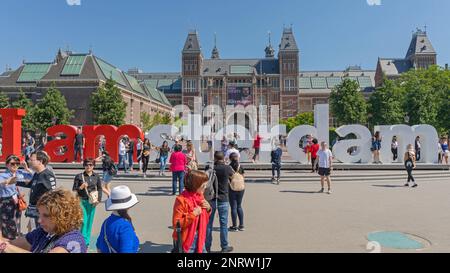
(195, 131)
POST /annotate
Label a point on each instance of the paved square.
(292, 217)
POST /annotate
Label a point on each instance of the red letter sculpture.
(12, 131)
(52, 146)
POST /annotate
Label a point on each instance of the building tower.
(421, 53)
(288, 56)
(191, 69)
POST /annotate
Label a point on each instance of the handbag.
(237, 181)
(21, 203)
(93, 195)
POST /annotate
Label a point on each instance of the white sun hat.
(121, 198)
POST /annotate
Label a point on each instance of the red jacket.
(177, 162)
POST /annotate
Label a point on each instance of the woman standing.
(88, 186)
(445, 151)
(163, 155)
(410, 164)
(394, 148)
(109, 170)
(145, 155)
(9, 195)
(236, 198)
(376, 147)
(117, 234)
(178, 167)
(191, 157)
(192, 212)
(60, 219)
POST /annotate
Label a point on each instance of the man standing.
(123, 155)
(417, 147)
(256, 146)
(78, 145)
(221, 203)
(325, 158)
(30, 144)
(43, 181)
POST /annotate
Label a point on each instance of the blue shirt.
(120, 234)
(10, 190)
(41, 242)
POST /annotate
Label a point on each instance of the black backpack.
(210, 193)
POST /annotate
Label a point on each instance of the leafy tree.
(107, 105)
(26, 103)
(51, 110)
(306, 118)
(348, 104)
(386, 105)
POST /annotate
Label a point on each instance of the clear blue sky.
(331, 34)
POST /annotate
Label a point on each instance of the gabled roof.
(394, 67)
(420, 44)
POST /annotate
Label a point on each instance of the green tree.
(51, 110)
(386, 105)
(348, 104)
(166, 119)
(26, 103)
(107, 105)
(306, 118)
(4, 100)
(424, 90)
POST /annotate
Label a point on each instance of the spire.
(215, 51)
(288, 40)
(192, 45)
(270, 52)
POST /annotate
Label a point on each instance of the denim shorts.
(107, 177)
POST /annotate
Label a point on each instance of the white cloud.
(73, 2)
(374, 2)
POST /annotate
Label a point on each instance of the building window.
(190, 86)
(290, 85)
(274, 82)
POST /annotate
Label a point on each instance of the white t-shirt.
(122, 148)
(230, 151)
(325, 156)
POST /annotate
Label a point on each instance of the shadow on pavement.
(157, 191)
(300, 191)
(389, 186)
(150, 247)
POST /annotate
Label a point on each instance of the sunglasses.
(14, 163)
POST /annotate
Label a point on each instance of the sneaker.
(232, 229)
(278, 181)
(227, 249)
(406, 185)
(273, 179)
(321, 190)
(145, 175)
(414, 186)
(241, 228)
(329, 192)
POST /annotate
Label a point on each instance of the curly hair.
(64, 210)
